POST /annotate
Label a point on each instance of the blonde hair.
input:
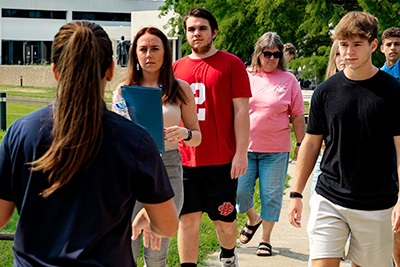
(81, 53)
(332, 68)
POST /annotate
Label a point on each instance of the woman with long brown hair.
(74, 169)
(150, 65)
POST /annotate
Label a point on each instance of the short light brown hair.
(390, 32)
(357, 23)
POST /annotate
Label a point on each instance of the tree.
(307, 24)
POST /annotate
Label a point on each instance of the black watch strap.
(295, 194)
(189, 132)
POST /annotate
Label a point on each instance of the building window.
(33, 14)
(104, 16)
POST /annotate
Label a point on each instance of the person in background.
(276, 100)
(74, 169)
(210, 170)
(335, 64)
(355, 113)
(289, 52)
(122, 52)
(150, 65)
(391, 48)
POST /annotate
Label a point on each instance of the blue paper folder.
(145, 107)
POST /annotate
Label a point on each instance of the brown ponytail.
(81, 52)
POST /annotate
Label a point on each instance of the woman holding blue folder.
(150, 65)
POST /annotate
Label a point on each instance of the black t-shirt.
(88, 221)
(358, 120)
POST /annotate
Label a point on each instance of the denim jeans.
(271, 169)
(158, 258)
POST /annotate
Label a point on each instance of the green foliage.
(307, 24)
(6, 256)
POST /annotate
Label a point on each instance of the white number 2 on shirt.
(201, 112)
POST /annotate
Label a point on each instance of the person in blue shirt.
(391, 48)
(74, 170)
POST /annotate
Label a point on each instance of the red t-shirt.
(215, 81)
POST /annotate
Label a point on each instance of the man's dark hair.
(390, 32)
(200, 12)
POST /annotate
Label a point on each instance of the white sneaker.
(228, 262)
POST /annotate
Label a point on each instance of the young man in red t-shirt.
(222, 90)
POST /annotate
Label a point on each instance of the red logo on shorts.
(226, 208)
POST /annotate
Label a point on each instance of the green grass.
(6, 256)
(40, 92)
(307, 107)
(14, 111)
(207, 239)
(17, 110)
(28, 91)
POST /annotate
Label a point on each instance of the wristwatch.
(189, 133)
(295, 195)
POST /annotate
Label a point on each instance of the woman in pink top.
(276, 98)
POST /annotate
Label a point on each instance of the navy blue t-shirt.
(358, 120)
(88, 221)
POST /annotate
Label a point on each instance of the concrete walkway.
(289, 244)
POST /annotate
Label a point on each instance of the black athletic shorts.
(210, 189)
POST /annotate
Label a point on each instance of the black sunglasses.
(268, 54)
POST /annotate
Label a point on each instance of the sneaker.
(228, 262)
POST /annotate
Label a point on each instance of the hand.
(396, 218)
(174, 134)
(294, 212)
(142, 223)
(239, 165)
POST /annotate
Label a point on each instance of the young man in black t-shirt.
(354, 112)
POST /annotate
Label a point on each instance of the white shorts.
(330, 225)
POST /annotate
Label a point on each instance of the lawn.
(14, 111)
(208, 239)
(40, 92)
(207, 236)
